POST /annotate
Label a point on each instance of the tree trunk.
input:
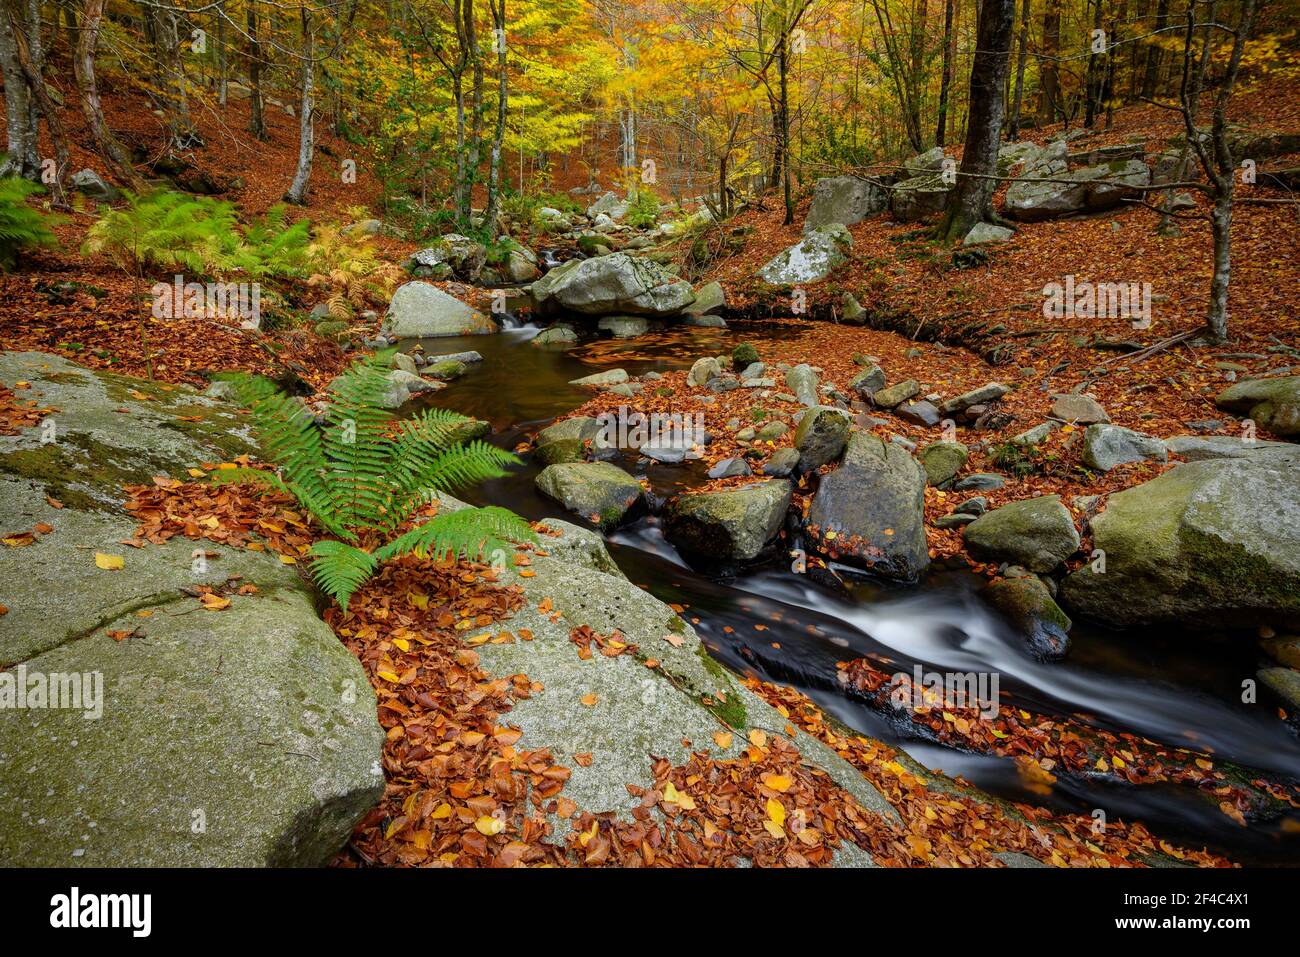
(16, 111)
(1013, 125)
(475, 142)
(945, 79)
(40, 96)
(1095, 76)
(297, 193)
(1151, 78)
(782, 61)
(972, 197)
(498, 137)
(256, 108)
(1049, 83)
(106, 143)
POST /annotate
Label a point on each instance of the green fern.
(21, 226)
(361, 474)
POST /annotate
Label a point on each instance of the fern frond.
(340, 569)
(468, 533)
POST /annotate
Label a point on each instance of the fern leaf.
(340, 569)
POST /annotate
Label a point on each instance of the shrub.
(644, 210)
(163, 229)
(363, 476)
(21, 227)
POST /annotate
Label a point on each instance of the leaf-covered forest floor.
(408, 627)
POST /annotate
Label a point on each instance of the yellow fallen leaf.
(214, 602)
(387, 676)
(589, 700)
(488, 826)
(778, 782)
(758, 738)
(109, 563)
(722, 739)
(288, 560)
(776, 812)
(441, 812)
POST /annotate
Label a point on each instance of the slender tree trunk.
(1049, 83)
(945, 78)
(41, 96)
(1151, 78)
(1013, 124)
(16, 109)
(106, 144)
(972, 197)
(1095, 77)
(256, 108)
(221, 58)
(498, 137)
(476, 102)
(297, 193)
(782, 60)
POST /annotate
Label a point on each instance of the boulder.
(731, 525)
(919, 197)
(617, 284)
(1107, 446)
(730, 468)
(782, 463)
(896, 394)
(981, 396)
(802, 381)
(703, 370)
(254, 720)
(810, 259)
(1273, 404)
(931, 161)
(1031, 610)
(1211, 544)
(1088, 189)
(942, 461)
(1036, 533)
(868, 382)
(601, 379)
(452, 255)
(91, 185)
(1078, 409)
(521, 265)
(869, 512)
(561, 334)
(708, 298)
(600, 491)
(566, 441)
(845, 200)
(919, 412)
(821, 437)
(1198, 448)
(985, 234)
(852, 312)
(624, 327)
(421, 310)
(609, 205)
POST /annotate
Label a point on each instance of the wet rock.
(1211, 544)
(1108, 446)
(974, 506)
(1285, 683)
(955, 520)
(421, 310)
(770, 431)
(733, 524)
(708, 298)
(600, 491)
(1273, 404)
(1031, 610)
(810, 259)
(566, 441)
(624, 327)
(874, 505)
(560, 334)
(452, 255)
(942, 461)
(821, 437)
(1037, 533)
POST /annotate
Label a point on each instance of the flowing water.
(1169, 686)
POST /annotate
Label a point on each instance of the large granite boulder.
(1273, 404)
(919, 197)
(1035, 533)
(1088, 189)
(730, 525)
(234, 738)
(599, 491)
(1210, 544)
(810, 259)
(421, 310)
(869, 512)
(617, 284)
(1109, 446)
(821, 437)
(845, 200)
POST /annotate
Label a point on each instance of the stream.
(1170, 687)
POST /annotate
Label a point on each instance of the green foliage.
(21, 227)
(743, 355)
(362, 475)
(644, 210)
(168, 230)
(1020, 460)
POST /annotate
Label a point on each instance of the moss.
(676, 625)
(731, 709)
(65, 475)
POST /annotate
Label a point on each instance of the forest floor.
(97, 322)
